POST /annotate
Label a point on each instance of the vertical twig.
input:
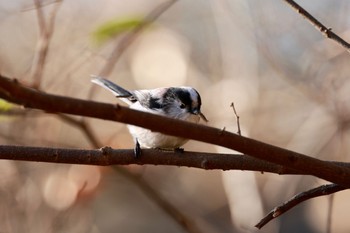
(46, 29)
(237, 119)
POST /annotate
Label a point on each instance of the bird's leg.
(137, 149)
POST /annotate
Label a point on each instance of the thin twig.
(329, 214)
(46, 29)
(297, 199)
(14, 112)
(327, 32)
(237, 119)
(42, 4)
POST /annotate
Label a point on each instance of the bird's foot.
(137, 150)
(179, 150)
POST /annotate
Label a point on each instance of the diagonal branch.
(297, 199)
(14, 92)
(327, 32)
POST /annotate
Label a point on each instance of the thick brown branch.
(297, 199)
(12, 91)
(327, 32)
(107, 156)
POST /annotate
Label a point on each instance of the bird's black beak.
(203, 117)
(197, 112)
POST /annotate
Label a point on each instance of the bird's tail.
(112, 87)
(118, 91)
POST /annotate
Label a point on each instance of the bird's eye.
(182, 105)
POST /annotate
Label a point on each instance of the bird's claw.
(179, 150)
(137, 150)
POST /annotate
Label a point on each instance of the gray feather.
(118, 91)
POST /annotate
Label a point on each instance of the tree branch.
(297, 199)
(107, 156)
(14, 92)
(327, 32)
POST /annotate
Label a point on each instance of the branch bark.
(106, 156)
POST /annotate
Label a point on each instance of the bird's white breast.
(150, 139)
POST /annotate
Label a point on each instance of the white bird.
(182, 103)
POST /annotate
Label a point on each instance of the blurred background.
(289, 85)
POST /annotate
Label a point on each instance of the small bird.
(182, 103)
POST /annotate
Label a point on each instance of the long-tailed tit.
(182, 103)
